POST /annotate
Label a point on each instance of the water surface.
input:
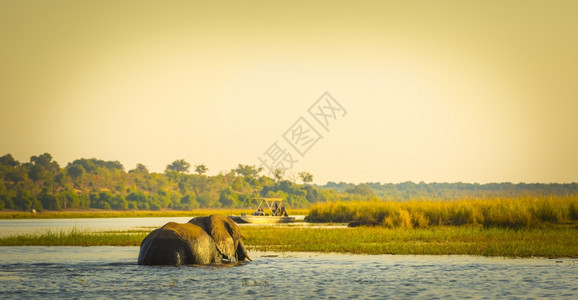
(16, 226)
(112, 272)
(38, 226)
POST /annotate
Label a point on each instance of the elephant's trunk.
(242, 252)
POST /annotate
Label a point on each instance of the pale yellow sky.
(471, 91)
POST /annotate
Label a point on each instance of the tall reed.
(523, 212)
(557, 241)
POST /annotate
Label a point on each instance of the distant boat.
(276, 213)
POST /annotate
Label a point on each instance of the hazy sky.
(434, 91)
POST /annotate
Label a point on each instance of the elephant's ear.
(226, 235)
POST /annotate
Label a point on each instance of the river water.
(13, 227)
(112, 272)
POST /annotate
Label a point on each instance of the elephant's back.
(174, 244)
(184, 231)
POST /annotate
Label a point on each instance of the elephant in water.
(203, 240)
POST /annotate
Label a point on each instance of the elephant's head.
(226, 234)
(203, 240)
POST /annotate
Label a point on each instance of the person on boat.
(279, 210)
(259, 212)
(282, 211)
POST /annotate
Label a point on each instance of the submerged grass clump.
(523, 212)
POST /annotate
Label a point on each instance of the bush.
(419, 220)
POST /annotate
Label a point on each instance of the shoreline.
(102, 213)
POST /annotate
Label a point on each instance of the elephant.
(214, 239)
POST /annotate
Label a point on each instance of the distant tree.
(113, 165)
(118, 202)
(42, 169)
(45, 160)
(228, 198)
(361, 189)
(8, 160)
(38, 173)
(188, 202)
(140, 168)
(179, 165)
(306, 177)
(25, 201)
(87, 164)
(93, 165)
(16, 174)
(201, 169)
(75, 172)
(50, 202)
(278, 174)
(184, 185)
(247, 171)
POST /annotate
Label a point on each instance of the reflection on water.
(86, 272)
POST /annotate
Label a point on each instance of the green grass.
(554, 242)
(465, 240)
(75, 238)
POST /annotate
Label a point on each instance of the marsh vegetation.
(557, 241)
(521, 212)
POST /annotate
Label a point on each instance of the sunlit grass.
(464, 240)
(75, 237)
(559, 242)
(524, 212)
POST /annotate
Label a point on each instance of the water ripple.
(112, 272)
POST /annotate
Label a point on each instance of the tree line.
(42, 183)
(408, 190)
(94, 183)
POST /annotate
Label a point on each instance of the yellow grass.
(496, 212)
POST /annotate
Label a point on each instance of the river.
(17, 226)
(11, 227)
(112, 272)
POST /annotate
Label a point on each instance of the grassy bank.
(75, 238)
(523, 212)
(560, 242)
(470, 240)
(95, 213)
